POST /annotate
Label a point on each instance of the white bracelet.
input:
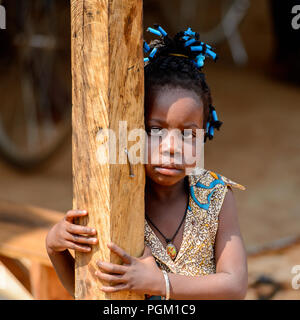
(167, 285)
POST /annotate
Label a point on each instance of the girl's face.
(169, 111)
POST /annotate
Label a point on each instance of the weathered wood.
(23, 232)
(107, 78)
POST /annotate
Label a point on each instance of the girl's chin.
(166, 177)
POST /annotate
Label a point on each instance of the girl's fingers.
(77, 247)
(77, 229)
(119, 287)
(111, 279)
(71, 214)
(111, 267)
(81, 239)
(120, 252)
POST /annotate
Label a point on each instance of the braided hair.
(175, 63)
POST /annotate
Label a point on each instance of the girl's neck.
(165, 194)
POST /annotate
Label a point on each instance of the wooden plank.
(24, 229)
(10, 287)
(107, 78)
(18, 269)
(45, 284)
(23, 233)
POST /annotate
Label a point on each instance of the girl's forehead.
(168, 95)
(175, 104)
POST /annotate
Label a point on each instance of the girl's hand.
(141, 275)
(67, 235)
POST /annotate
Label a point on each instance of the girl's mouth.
(168, 171)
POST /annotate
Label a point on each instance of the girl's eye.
(188, 134)
(155, 132)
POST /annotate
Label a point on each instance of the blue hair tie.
(214, 115)
(189, 32)
(146, 47)
(161, 30)
(200, 60)
(153, 52)
(207, 126)
(211, 132)
(156, 32)
(197, 48)
(211, 54)
(215, 122)
(190, 37)
(207, 51)
(188, 43)
(208, 46)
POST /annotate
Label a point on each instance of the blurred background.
(255, 89)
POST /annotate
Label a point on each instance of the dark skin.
(165, 204)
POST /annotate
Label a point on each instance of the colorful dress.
(207, 191)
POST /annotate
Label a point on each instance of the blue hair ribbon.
(214, 115)
(162, 31)
(156, 32)
(188, 43)
(200, 60)
(211, 131)
(153, 52)
(189, 32)
(146, 47)
(207, 126)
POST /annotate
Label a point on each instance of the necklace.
(171, 249)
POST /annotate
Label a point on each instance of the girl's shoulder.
(208, 179)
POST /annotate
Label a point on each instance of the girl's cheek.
(153, 153)
(189, 152)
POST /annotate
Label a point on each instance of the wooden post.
(108, 87)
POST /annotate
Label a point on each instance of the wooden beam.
(107, 87)
(45, 284)
(24, 229)
(18, 269)
(23, 232)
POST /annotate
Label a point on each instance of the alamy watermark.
(296, 18)
(2, 17)
(296, 278)
(157, 146)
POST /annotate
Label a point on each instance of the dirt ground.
(271, 274)
(257, 146)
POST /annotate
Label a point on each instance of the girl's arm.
(142, 275)
(231, 278)
(64, 264)
(66, 235)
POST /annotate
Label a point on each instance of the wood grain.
(107, 87)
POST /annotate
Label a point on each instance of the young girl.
(193, 245)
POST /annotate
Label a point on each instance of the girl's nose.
(172, 143)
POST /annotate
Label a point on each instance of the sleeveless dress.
(207, 191)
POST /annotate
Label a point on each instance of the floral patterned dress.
(207, 191)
